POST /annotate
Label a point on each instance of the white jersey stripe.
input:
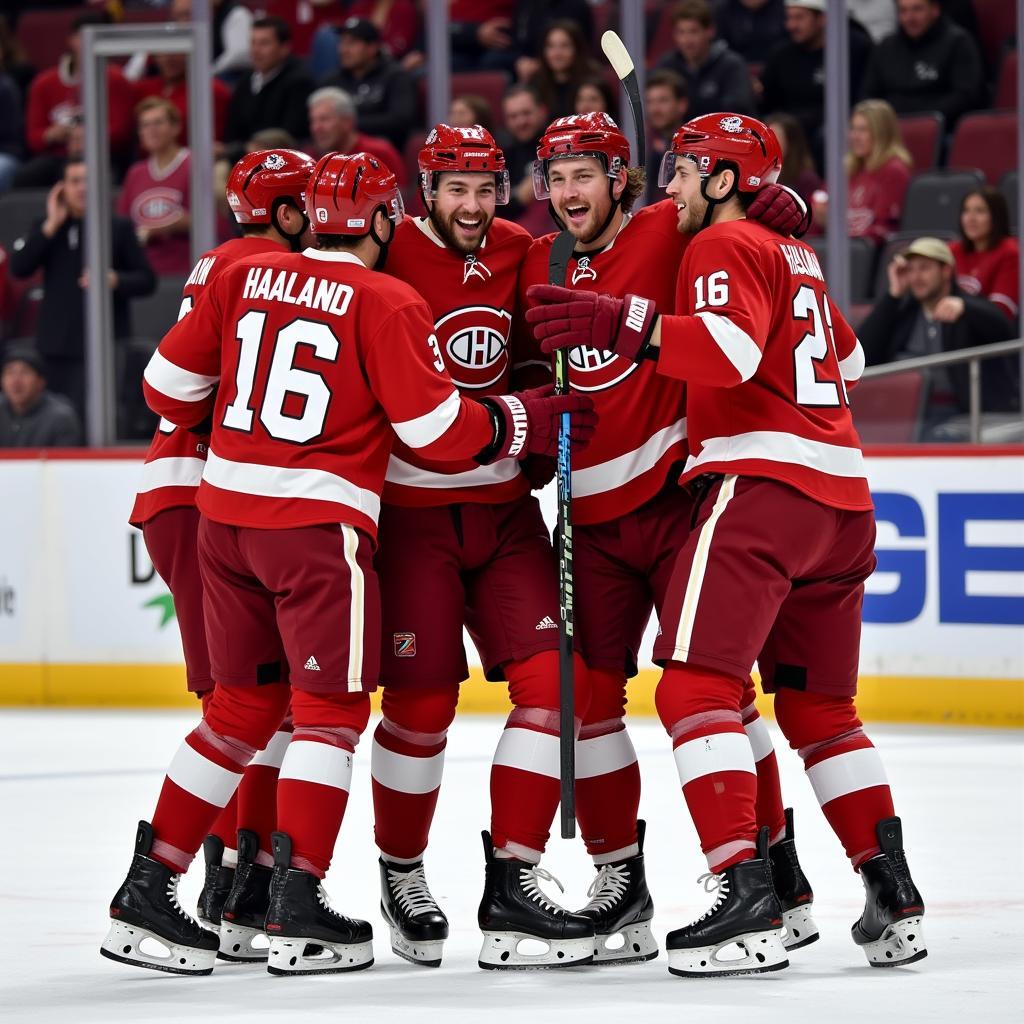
(737, 346)
(778, 446)
(406, 774)
(279, 482)
(356, 613)
(606, 476)
(529, 751)
(171, 380)
(202, 777)
(408, 475)
(853, 365)
(322, 763)
(846, 773)
(426, 429)
(171, 472)
(709, 755)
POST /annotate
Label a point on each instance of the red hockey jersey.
(175, 460)
(766, 357)
(472, 299)
(643, 426)
(311, 364)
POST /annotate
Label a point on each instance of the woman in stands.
(987, 258)
(798, 171)
(595, 96)
(469, 109)
(564, 63)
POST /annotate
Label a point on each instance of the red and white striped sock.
(770, 811)
(257, 793)
(607, 790)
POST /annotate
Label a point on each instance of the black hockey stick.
(558, 268)
(621, 62)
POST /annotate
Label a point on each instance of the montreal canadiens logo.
(474, 340)
(156, 207)
(592, 369)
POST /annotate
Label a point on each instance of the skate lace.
(411, 891)
(324, 900)
(172, 895)
(530, 879)
(719, 885)
(607, 888)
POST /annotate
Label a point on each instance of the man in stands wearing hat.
(31, 416)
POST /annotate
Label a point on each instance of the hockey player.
(320, 362)
(465, 544)
(783, 542)
(630, 518)
(264, 190)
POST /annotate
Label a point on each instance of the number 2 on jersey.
(812, 349)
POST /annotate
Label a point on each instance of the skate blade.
(798, 927)
(124, 941)
(316, 956)
(423, 954)
(901, 943)
(241, 944)
(638, 945)
(501, 951)
(763, 951)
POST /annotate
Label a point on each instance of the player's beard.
(691, 217)
(449, 233)
(591, 228)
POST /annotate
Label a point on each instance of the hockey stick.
(558, 268)
(622, 64)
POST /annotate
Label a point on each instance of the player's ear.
(722, 184)
(619, 185)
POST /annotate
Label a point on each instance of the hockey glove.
(781, 209)
(539, 470)
(527, 423)
(564, 318)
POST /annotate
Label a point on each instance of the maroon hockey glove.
(564, 318)
(527, 423)
(539, 470)
(781, 209)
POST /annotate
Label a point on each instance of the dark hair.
(92, 18)
(582, 66)
(798, 159)
(611, 105)
(693, 10)
(998, 211)
(281, 28)
(482, 113)
(671, 80)
(519, 88)
(71, 161)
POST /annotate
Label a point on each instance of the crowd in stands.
(349, 75)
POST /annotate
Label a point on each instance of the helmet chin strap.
(712, 203)
(382, 256)
(291, 237)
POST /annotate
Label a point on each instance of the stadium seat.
(897, 243)
(490, 85)
(887, 410)
(996, 26)
(154, 315)
(933, 200)
(922, 135)
(1008, 186)
(43, 33)
(18, 212)
(862, 265)
(1006, 87)
(986, 140)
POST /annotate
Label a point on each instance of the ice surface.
(73, 784)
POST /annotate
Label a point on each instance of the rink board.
(85, 621)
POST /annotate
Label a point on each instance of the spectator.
(525, 120)
(55, 101)
(332, 125)
(482, 35)
(398, 22)
(716, 78)
(595, 96)
(468, 110)
(752, 28)
(987, 258)
(171, 83)
(532, 18)
(794, 77)
(667, 106)
(30, 415)
(46, 169)
(155, 195)
(384, 94)
(924, 313)
(564, 63)
(876, 17)
(12, 58)
(927, 64)
(797, 163)
(268, 138)
(54, 245)
(274, 95)
(10, 130)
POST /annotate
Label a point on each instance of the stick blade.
(617, 54)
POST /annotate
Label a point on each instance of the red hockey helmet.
(749, 145)
(346, 191)
(260, 178)
(580, 135)
(470, 150)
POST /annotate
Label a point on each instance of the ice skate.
(621, 908)
(242, 933)
(522, 928)
(306, 935)
(889, 930)
(148, 928)
(746, 914)
(418, 925)
(216, 884)
(794, 891)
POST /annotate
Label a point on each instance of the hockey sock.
(700, 709)
(257, 792)
(770, 811)
(406, 763)
(208, 766)
(842, 764)
(313, 786)
(607, 773)
(524, 776)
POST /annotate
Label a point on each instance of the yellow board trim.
(945, 701)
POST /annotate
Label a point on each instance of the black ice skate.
(889, 930)
(621, 908)
(794, 891)
(216, 884)
(146, 908)
(418, 925)
(515, 914)
(306, 935)
(242, 931)
(746, 914)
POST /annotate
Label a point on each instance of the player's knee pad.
(607, 695)
(686, 691)
(534, 682)
(251, 714)
(320, 713)
(807, 719)
(416, 710)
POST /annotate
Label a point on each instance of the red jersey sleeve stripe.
(404, 473)
(778, 446)
(737, 346)
(171, 472)
(426, 429)
(853, 365)
(175, 382)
